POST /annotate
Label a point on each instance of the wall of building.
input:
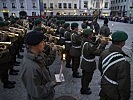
(18, 7)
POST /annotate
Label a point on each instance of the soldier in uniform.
(84, 24)
(5, 59)
(115, 70)
(75, 50)
(95, 27)
(35, 74)
(90, 49)
(105, 31)
(68, 44)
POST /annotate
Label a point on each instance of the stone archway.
(22, 14)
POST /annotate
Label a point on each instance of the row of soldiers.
(11, 42)
(81, 47)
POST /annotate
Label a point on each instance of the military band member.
(105, 31)
(84, 24)
(75, 50)
(68, 44)
(115, 70)
(88, 64)
(95, 27)
(35, 74)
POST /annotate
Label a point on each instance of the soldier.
(115, 70)
(88, 64)
(75, 50)
(35, 74)
(68, 44)
(105, 31)
(95, 27)
(84, 24)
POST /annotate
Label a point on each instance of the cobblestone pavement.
(71, 86)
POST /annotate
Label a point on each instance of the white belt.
(76, 46)
(68, 41)
(62, 37)
(111, 81)
(88, 60)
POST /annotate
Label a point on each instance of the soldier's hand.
(54, 48)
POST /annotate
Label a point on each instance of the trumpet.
(101, 37)
(4, 45)
(9, 34)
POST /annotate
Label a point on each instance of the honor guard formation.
(44, 39)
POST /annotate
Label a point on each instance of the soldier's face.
(41, 46)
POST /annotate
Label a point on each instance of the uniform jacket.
(119, 72)
(105, 31)
(96, 27)
(36, 77)
(67, 36)
(89, 51)
(76, 41)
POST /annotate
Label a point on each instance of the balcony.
(4, 7)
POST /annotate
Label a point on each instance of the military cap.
(2, 24)
(75, 25)
(119, 36)
(66, 25)
(57, 22)
(87, 32)
(37, 21)
(34, 38)
(62, 21)
(13, 21)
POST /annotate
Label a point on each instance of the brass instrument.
(9, 34)
(4, 45)
(101, 37)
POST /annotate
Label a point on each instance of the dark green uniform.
(88, 63)
(115, 70)
(75, 52)
(105, 31)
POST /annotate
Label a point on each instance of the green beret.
(62, 21)
(74, 25)
(37, 21)
(6, 23)
(58, 22)
(13, 21)
(119, 36)
(87, 32)
(66, 25)
(2, 24)
(34, 38)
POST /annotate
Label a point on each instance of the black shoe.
(68, 66)
(8, 85)
(87, 92)
(13, 73)
(12, 82)
(16, 62)
(76, 75)
(21, 50)
(14, 70)
(20, 56)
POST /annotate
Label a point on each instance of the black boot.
(8, 85)
(85, 91)
(76, 75)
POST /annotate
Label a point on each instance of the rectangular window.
(85, 4)
(106, 5)
(69, 5)
(4, 5)
(75, 6)
(51, 5)
(33, 13)
(45, 6)
(34, 5)
(13, 5)
(64, 5)
(21, 5)
(59, 5)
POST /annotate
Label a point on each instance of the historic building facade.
(19, 8)
(76, 7)
(122, 8)
(61, 7)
